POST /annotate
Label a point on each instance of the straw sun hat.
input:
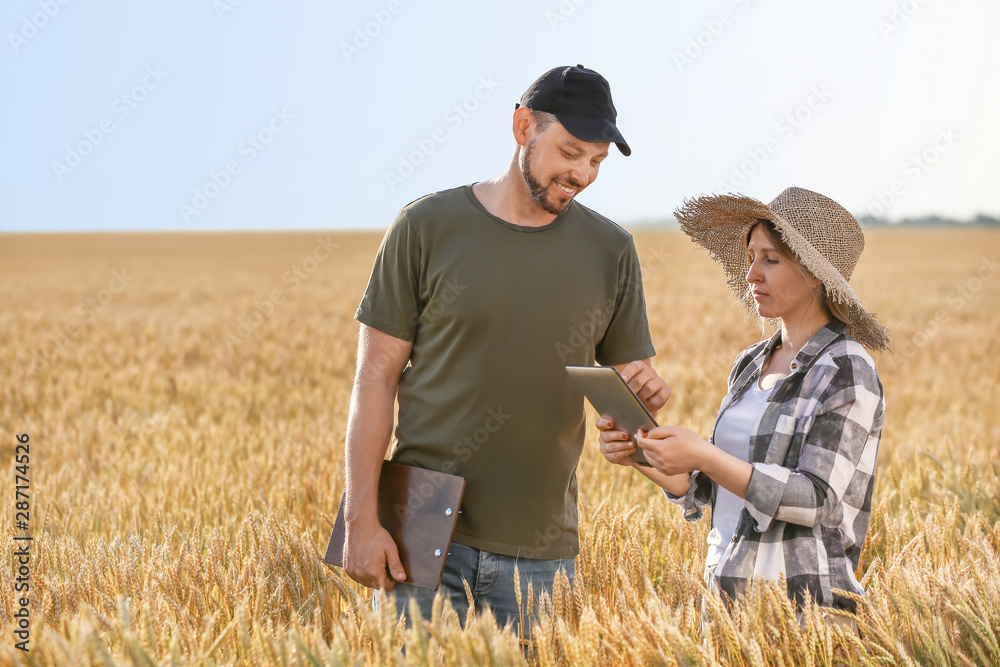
(825, 238)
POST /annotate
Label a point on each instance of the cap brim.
(594, 130)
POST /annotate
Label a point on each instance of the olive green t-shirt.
(495, 312)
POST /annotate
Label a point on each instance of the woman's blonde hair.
(835, 308)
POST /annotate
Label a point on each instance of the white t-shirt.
(732, 435)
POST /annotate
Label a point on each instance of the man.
(478, 299)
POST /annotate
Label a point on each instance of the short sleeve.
(627, 337)
(391, 302)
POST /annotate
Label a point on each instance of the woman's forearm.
(726, 470)
(677, 485)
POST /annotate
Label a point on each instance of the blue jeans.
(491, 579)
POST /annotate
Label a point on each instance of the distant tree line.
(980, 220)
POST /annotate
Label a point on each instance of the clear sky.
(247, 114)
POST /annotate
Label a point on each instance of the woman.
(790, 466)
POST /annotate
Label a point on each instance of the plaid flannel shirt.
(808, 505)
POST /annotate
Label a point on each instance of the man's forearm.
(369, 427)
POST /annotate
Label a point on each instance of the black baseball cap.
(580, 99)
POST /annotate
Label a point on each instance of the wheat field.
(186, 398)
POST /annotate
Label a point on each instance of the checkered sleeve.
(837, 458)
(698, 495)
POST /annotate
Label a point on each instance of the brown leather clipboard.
(419, 508)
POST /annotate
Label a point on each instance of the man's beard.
(538, 192)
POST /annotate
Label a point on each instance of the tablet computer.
(613, 399)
